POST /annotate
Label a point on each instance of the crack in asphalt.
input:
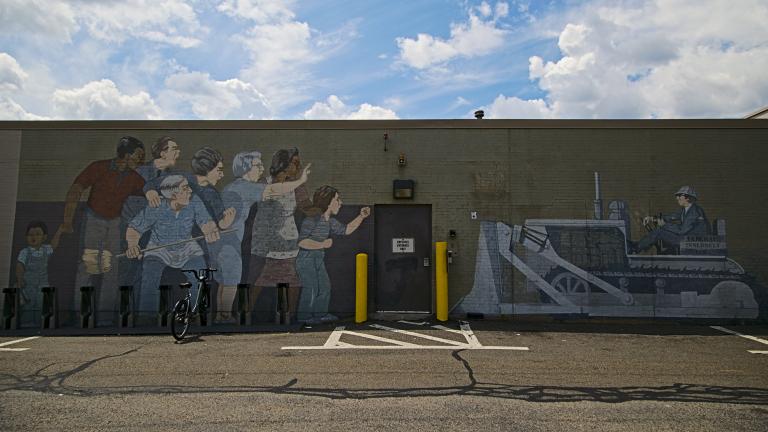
(679, 392)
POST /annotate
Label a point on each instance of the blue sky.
(371, 59)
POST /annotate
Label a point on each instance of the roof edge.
(384, 124)
(762, 113)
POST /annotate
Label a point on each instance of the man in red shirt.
(110, 182)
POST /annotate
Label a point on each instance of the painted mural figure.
(670, 229)
(241, 194)
(208, 170)
(314, 239)
(274, 244)
(165, 152)
(170, 223)
(32, 268)
(111, 182)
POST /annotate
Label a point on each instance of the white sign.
(402, 245)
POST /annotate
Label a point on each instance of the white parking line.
(752, 338)
(334, 341)
(725, 330)
(4, 344)
(418, 335)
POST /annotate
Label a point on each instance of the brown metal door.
(403, 260)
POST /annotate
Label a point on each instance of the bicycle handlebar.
(204, 273)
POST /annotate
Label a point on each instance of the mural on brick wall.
(144, 222)
(679, 268)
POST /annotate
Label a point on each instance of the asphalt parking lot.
(482, 375)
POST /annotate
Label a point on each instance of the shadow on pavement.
(678, 392)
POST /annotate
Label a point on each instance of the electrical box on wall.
(403, 189)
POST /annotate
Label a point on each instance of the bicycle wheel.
(180, 319)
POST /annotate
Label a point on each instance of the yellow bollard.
(441, 280)
(361, 288)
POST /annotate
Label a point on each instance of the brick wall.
(506, 172)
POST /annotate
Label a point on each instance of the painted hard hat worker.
(670, 229)
(688, 191)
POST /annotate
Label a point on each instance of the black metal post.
(127, 311)
(243, 304)
(164, 305)
(10, 309)
(50, 309)
(87, 300)
(282, 314)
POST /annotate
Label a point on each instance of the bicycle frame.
(202, 286)
(184, 311)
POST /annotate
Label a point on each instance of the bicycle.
(184, 311)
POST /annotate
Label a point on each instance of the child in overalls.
(32, 270)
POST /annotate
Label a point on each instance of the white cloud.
(458, 103)
(516, 108)
(12, 76)
(10, 110)
(260, 11)
(172, 22)
(211, 99)
(709, 83)
(283, 49)
(478, 36)
(102, 100)
(335, 109)
(53, 18)
(502, 10)
(656, 59)
(485, 9)
(277, 46)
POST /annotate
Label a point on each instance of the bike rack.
(87, 300)
(244, 304)
(282, 311)
(10, 309)
(50, 308)
(126, 313)
(205, 315)
(163, 308)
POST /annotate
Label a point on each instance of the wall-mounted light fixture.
(401, 160)
(403, 189)
(386, 139)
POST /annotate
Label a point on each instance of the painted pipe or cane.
(176, 243)
(99, 261)
(441, 280)
(361, 288)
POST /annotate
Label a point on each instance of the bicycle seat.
(185, 285)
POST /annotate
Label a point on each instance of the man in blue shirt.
(690, 220)
(170, 222)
